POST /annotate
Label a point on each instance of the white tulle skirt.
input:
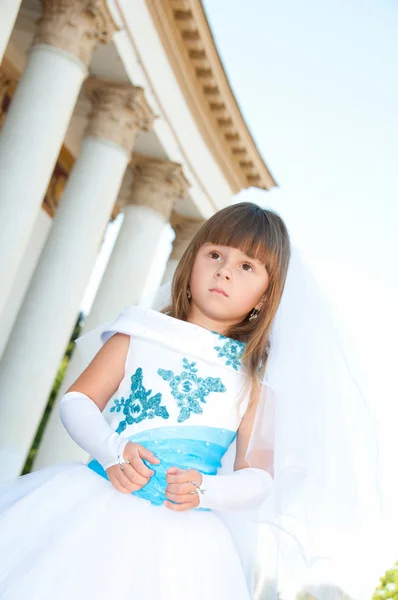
(66, 533)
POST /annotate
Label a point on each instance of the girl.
(169, 398)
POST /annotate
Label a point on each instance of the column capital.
(119, 111)
(184, 229)
(75, 26)
(157, 183)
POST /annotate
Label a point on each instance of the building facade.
(106, 107)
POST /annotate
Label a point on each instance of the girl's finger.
(141, 468)
(182, 476)
(175, 475)
(125, 482)
(134, 476)
(148, 455)
(118, 486)
(178, 507)
(174, 470)
(180, 498)
(180, 488)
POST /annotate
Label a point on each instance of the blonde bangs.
(254, 235)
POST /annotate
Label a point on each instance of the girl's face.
(226, 284)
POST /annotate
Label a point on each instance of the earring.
(254, 314)
(189, 295)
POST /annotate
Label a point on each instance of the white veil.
(314, 415)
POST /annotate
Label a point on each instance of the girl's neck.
(196, 317)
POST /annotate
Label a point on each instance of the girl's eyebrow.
(250, 258)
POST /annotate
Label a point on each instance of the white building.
(105, 106)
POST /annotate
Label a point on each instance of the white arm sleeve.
(240, 490)
(87, 427)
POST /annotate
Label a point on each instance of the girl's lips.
(219, 291)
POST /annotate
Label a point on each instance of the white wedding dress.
(66, 533)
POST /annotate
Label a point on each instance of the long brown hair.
(261, 234)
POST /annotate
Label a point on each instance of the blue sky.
(317, 84)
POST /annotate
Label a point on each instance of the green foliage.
(53, 394)
(388, 588)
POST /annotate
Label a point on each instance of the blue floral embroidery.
(232, 350)
(139, 406)
(189, 389)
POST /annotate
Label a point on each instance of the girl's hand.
(134, 475)
(179, 489)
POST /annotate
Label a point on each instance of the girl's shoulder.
(184, 337)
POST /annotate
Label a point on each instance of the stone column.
(37, 120)
(8, 13)
(184, 229)
(23, 277)
(50, 308)
(156, 185)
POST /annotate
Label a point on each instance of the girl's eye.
(214, 254)
(249, 267)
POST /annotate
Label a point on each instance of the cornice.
(188, 42)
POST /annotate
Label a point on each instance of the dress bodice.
(182, 396)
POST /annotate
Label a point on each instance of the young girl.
(169, 398)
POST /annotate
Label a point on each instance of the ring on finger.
(198, 488)
(121, 461)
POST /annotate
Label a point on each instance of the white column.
(157, 184)
(24, 275)
(50, 308)
(184, 229)
(8, 14)
(38, 117)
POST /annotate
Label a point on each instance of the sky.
(317, 85)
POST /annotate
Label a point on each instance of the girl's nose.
(223, 274)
